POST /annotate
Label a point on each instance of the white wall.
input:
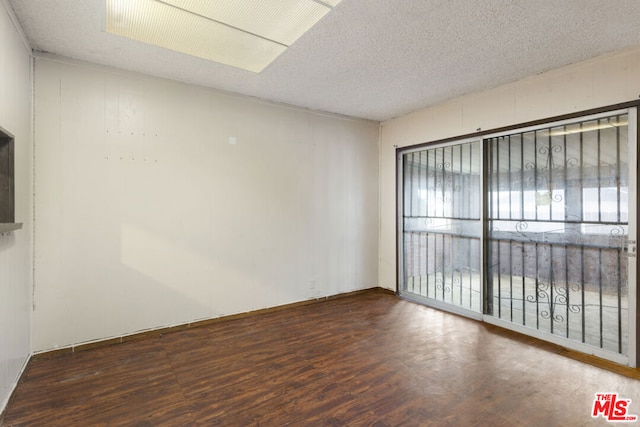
(15, 249)
(146, 215)
(603, 81)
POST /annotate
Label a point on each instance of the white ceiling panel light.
(247, 34)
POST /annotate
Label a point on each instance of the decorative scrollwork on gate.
(551, 297)
(617, 237)
(548, 163)
(442, 284)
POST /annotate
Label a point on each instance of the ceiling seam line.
(221, 23)
(320, 2)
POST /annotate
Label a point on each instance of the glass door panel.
(441, 226)
(558, 225)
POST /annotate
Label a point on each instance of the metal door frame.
(400, 231)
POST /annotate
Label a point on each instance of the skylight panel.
(247, 34)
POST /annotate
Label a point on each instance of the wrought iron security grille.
(441, 225)
(558, 220)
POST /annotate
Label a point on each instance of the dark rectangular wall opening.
(7, 187)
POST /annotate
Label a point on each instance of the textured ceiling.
(373, 59)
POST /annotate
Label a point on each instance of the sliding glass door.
(532, 229)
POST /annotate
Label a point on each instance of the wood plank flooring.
(369, 359)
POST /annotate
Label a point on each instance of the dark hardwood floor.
(368, 359)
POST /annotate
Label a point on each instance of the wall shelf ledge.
(7, 227)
